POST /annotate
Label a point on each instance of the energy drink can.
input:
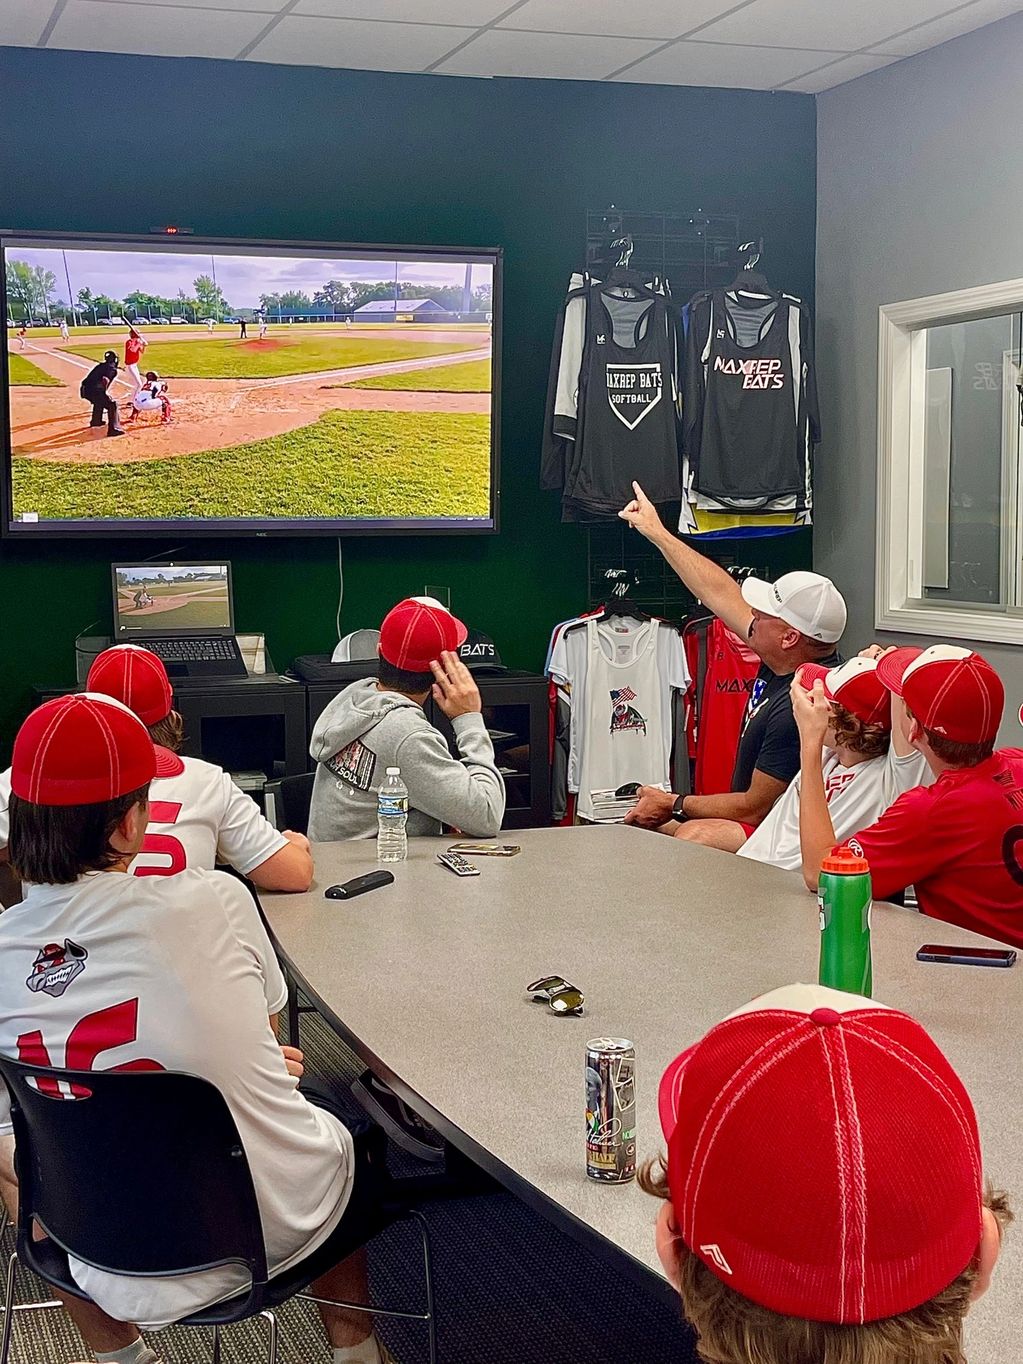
(610, 1110)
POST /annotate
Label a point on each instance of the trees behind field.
(30, 290)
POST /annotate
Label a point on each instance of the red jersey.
(960, 843)
(728, 684)
(133, 348)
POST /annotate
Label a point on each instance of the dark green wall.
(246, 150)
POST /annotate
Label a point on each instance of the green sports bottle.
(844, 896)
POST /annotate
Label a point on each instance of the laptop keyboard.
(209, 650)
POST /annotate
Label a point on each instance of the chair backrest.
(134, 1172)
(292, 797)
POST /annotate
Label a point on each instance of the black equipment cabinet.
(255, 723)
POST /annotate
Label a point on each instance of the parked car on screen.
(178, 322)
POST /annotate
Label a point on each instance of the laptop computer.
(183, 613)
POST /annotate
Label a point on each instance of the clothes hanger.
(620, 249)
(623, 582)
(751, 282)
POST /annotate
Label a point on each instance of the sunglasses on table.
(558, 994)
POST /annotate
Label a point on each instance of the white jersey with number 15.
(197, 818)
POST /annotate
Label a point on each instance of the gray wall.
(920, 190)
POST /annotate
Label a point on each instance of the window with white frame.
(950, 487)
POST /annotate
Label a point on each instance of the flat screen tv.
(262, 388)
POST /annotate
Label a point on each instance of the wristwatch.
(678, 809)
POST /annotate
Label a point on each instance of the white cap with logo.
(809, 603)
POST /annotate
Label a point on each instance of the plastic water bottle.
(844, 896)
(392, 816)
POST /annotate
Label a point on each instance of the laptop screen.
(172, 599)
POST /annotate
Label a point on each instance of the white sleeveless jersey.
(569, 668)
(197, 818)
(625, 710)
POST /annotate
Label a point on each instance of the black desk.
(241, 723)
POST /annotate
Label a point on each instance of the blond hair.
(732, 1329)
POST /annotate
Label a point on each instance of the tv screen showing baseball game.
(167, 384)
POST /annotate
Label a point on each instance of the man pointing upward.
(799, 619)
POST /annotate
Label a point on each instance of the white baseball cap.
(806, 601)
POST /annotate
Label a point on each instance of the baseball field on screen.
(376, 414)
(178, 604)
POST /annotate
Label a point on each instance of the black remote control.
(359, 885)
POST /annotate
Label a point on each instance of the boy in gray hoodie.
(379, 723)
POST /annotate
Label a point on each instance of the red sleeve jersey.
(960, 843)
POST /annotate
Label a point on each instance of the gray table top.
(427, 979)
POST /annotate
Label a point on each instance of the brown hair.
(169, 732)
(400, 679)
(957, 754)
(731, 1329)
(857, 735)
(55, 844)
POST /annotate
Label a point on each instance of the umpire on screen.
(94, 390)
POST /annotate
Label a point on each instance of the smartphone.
(485, 849)
(968, 956)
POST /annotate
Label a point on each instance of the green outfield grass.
(472, 377)
(208, 607)
(234, 359)
(344, 464)
(22, 371)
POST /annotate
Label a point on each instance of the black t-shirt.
(98, 379)
(769, 739)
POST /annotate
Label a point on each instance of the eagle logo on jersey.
(623, 715)
(55, 967)
(633, 391)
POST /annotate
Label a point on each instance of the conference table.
(425, 979)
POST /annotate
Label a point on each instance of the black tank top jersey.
(753, 442)
(628, 418)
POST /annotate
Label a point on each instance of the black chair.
(144, 1173)
(291, 798)
(287, 807)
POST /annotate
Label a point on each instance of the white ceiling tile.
(262, 6)
(356, 43)
(723, 64)
(471, 13)
(500, 52)
(162, 31)
(953, 25)
(22, 22)
(638, 19)
(845, 69)
(823, 23)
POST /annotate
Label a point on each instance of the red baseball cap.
(80, 750)
(854, 685)
(136, 678)
(950, 690)
(417, 631)
(823, 1157)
